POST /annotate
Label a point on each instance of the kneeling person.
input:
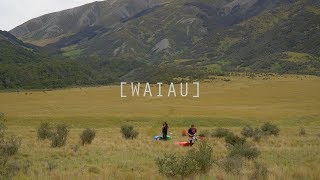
(192, 134)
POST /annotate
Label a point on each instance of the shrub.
(270, 129)
(220, 132)
(247, 131)
(244, 150)
(128, 132)
(44, 131)
(87, 136)
(2, 116)
(232, 165)
(2, 126)
(10, 146)
(204, 133)
(202, 156)
(94, 169)
(170, 165)
(302, 131)
(59, 137)
(51, 165)
(75, 148)
(234, 139)
(260, 171)
(196, 161)
(257, 135)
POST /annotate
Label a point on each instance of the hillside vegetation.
(163, 40)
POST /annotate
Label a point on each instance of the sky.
(16, 12)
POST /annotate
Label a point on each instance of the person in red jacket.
(192, 134)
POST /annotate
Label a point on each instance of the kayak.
(183, 143)
(160, 137)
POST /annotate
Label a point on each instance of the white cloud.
(16, 12)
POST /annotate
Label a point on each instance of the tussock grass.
(289, 102)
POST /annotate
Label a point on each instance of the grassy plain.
(289, 101)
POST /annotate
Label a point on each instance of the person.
(165, 128)
(192, 134)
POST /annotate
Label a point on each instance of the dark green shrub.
(128, 132)
(233, 139)
(59, 136)
(247, 131)
(44, 131)
(220, 132)
(87, 136)
(232, 165)
(270, 129)
(196, 161)
(244, 150)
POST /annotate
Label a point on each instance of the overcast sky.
(16, 12)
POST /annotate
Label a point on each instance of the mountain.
(105, 15)
(25, 66)
(13, 50)
(171, 39)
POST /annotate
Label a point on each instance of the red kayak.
(183, 143)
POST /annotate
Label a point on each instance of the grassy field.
(288, 101)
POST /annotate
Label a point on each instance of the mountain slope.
(13, 50)
(54, 26)
(214, 35)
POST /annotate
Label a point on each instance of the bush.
(10, 146)
(75, 148)
(260, 171)
(196, 161)
(44, 131)
(87, 136)
(244, 150)
(232, 165)
(204, 133)
(257, 135)
(59, 137)
(2, 126)
(302, 131)
(94, 169)
(2, 116)
(128, 132)
(51, 165)
(220, 132)
(234, 139)
(270, 129)
(202, 156)
(247, 131)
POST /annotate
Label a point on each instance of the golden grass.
(287, 156)
(271, 98)
(289, 101)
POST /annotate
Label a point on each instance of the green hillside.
(166, 39)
